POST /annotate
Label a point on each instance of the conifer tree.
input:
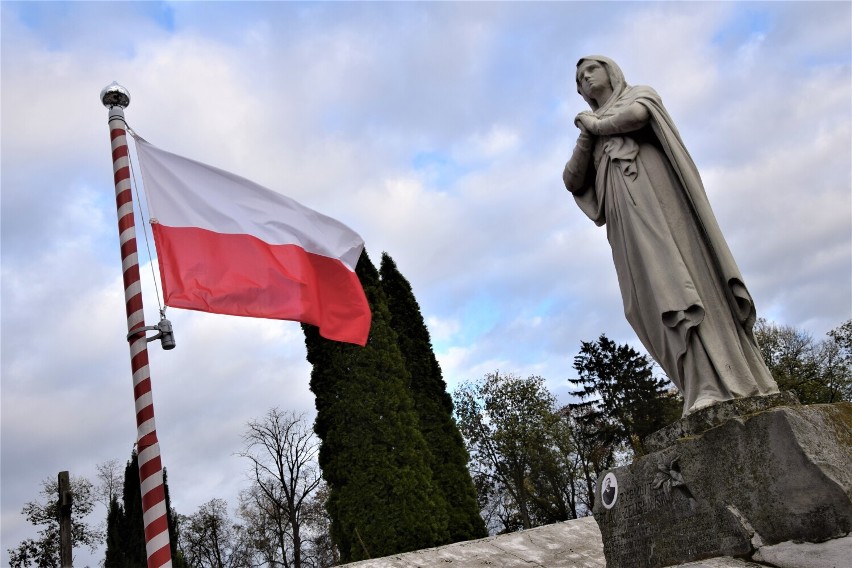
(131, 525)
(114, 552)
(620, 392)
(126, 527)
(434, 407)
(178, 561)
(373, 457)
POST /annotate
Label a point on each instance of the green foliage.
(837, 362)
(591, 454)
(373, 456)
(178, 561)
(816, 371)
(43, 552)
(125, 536)
(125, 526)
(519, 450)
(554, 477)
(621, 395)
(210, 539)
(434, 407)
(114, 553)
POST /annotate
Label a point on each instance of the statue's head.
(595, 74)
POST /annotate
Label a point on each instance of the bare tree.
(283, 450)
(110, 481)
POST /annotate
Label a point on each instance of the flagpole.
(157, 546)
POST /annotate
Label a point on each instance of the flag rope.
(160, 305)
(154, 512)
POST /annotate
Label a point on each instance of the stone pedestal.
(728, 480)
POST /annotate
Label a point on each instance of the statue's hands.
(587, 122)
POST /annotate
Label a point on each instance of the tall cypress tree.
(178, 561)
(434, 407)
(132, 525)
(114, 551)
(126, 527)
(381, 496)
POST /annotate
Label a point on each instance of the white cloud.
(490, 144)
(441, 329)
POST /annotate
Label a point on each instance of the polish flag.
(227, 245)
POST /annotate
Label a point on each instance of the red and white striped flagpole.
(116, 98)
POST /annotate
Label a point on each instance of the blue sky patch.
(746, 22)
(160, 12)
(439, 169)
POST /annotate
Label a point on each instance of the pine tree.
(381, 497)
(621, 394)
(434, 407)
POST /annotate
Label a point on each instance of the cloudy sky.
(438, 131)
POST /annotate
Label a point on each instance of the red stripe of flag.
(244, 276)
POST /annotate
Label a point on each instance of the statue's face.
(593, 78)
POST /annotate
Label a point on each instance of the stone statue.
(682, 291)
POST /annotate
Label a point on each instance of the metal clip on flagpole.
(154, 514)
(166, 334)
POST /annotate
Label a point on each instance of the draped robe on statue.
(682, 291)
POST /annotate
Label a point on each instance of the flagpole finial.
(114, 95)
